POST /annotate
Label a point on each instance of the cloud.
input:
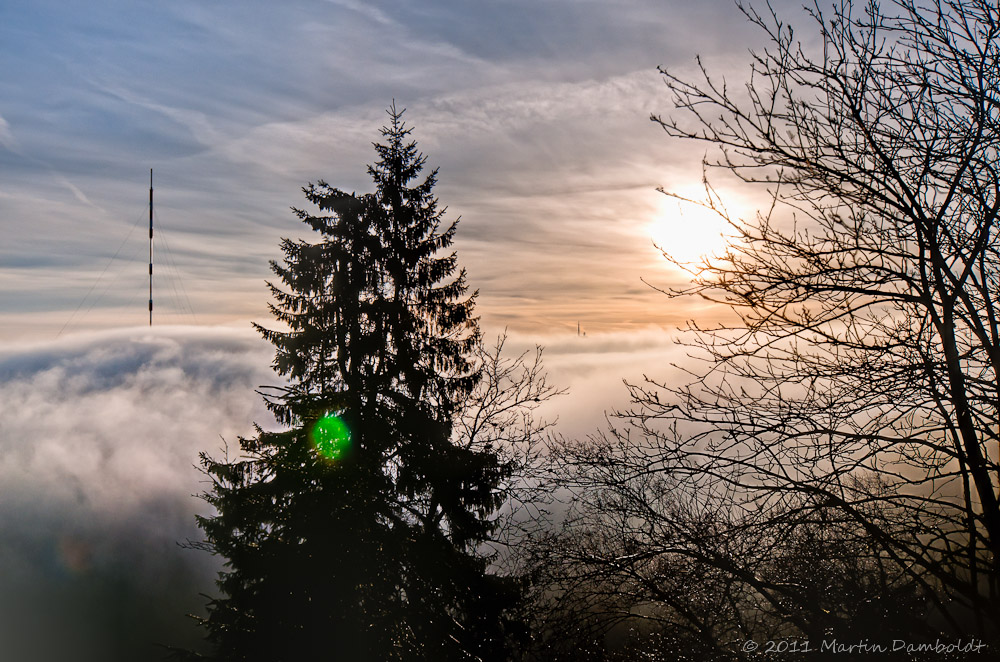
(593, 367)
(9, 142)
(509, 166)
(369, 10)
(537, 114)
(98, 438)
(75, 190)
(196, 122)
(6, 137)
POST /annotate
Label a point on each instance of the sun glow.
(689, 232)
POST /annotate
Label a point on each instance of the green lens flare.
(331, 437)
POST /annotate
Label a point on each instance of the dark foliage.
(368, 553)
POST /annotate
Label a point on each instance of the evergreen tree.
(352, 534)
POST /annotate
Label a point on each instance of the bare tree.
(695, 569)
(859, 393)
(500, 416)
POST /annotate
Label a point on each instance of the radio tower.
(151, 247)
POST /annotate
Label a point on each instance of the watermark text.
(863, 646)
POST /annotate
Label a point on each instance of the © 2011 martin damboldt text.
(836, 646)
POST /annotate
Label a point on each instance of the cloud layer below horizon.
(98, 442)
(99, 439)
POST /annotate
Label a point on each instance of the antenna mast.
(151, 247)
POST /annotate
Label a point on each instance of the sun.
(689, 232)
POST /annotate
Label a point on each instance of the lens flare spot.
(331, 437)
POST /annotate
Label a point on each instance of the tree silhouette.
(353, 533)
(859, 394)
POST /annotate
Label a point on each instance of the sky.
(536, 113)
